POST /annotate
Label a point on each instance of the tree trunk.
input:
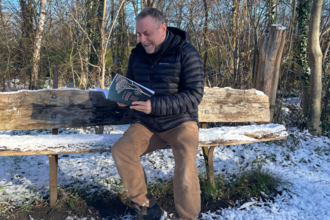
(272, 12)
(302, 58)
(292, 26)
(150, 3)
(325, 111)
(234, 8)
(102, 9)
(315, 58)
(121, 34)
(93, 33)
(253, 18)
(326, 58)
(112, 22)
(206, 28)
(37, 45)
(128, 44)
(26, 42)
(3, 74)
(269, 61)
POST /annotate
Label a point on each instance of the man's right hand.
(121, 104)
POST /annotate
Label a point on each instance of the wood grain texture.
(231, 105)
(76, 108)
(59, 109)
(269, 62)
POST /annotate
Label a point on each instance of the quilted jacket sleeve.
(129, 72)
(191, 87)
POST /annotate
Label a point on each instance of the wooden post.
(269, 62)
(53, 159)
(53, 162)
(208, 158)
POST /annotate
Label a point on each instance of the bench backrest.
(43, 109)
(233, 105)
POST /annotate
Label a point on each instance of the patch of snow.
(280, 27)
(240, 132)
(304, 162)
(260, 92)
(62, 142)
(247, 204)
(57, 143)
(257, 91)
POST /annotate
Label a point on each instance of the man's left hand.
(142, 106)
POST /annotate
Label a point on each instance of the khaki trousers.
(139, 140)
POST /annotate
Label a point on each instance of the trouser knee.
(118, 150)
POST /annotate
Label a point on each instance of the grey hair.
(152, 12)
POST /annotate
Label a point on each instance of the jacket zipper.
(152, 68)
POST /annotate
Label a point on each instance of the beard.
(150, 50)
(149, 47)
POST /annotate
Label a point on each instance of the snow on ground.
(303, 160)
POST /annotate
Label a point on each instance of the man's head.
(151, 28)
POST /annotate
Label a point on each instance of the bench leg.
(208, 157)
(53, 162)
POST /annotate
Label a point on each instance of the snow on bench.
(88, 143)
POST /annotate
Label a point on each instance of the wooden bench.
(72, 108)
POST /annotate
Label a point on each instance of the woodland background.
(90, 41)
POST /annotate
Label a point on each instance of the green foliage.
(243, 186)
(256, 180)
(326, 123)
(247, 184)
(303, 11)
(109, 59)
(211, 193)
(162, 189)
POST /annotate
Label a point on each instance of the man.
(163, 61)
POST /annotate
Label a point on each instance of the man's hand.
(121, 104)
(142, 106)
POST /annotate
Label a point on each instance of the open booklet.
(126, 91)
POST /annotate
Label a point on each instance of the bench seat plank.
(241, 134)
(91, 143)
(56, 144)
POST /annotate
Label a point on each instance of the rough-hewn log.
(269, 61)
(75, 108)
(59, 109)
(233, 105)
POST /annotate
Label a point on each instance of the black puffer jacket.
(175, 73)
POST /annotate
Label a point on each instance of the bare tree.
(102, 10)
(315, 59)
(269, 61)
(37, 45)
